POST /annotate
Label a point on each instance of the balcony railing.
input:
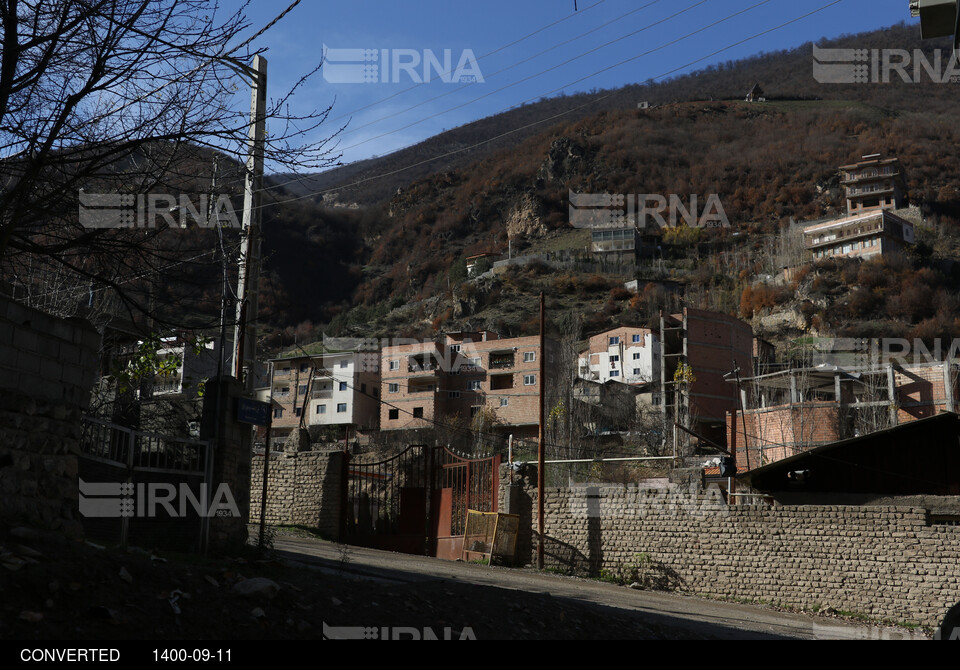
(501, 362)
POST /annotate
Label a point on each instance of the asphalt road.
(700, 617)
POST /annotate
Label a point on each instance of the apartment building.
(874, 188)
(429, 382)
(183, 367)
(625, 354)
(338, 390)
(865, 235)
(872, 184)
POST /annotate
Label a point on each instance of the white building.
(627, 355)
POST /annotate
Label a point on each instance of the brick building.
(786, 413)
(338, 390)
(431, 381)
(625, 354)
(699, 349)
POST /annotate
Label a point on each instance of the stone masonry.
(889, 563)
(47, 368)
(303, 488)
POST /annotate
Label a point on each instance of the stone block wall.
(47, 368)
(303, 488)
(883, 562)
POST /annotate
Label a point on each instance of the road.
(697, 616)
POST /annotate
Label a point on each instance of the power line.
(502, 70)
(559, 114)
(490, 53)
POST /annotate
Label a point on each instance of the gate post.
(344, 497)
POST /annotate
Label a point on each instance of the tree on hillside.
(127, 98)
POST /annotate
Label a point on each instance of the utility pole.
(245, 333)
(540, 449)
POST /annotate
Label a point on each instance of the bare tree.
(123, 97)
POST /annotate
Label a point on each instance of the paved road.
(711, 618)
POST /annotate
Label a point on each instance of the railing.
(501, 363)
(141, 450)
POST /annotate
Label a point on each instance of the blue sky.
(522, 51)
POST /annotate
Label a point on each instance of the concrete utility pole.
(541, 475)
(245, 331)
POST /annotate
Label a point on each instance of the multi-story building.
(874, 188)
(701, 349)
(625, 354)
(876, 233)
(183, 367)
(429, 382)
(339, 390)
(873, 184)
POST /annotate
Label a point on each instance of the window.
(297, 411)
(303, 389)
(636, 371)
(394, 365)
(529, 356)
(393, 388)
(417, 412)
(529, 380)
(278, 413)
(363, 388)
(614, 359)
(344, 364)
(343, 386)
(614, 341)
(394, 414)
(504, 402)
(341, 407)
(321, 409)
(636, 338)
(614, 373)
(453, 395)
(636, 357)
(474, 385)
(455, 347)
(303, 367)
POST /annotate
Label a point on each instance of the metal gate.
(416, 502)
(122, 469)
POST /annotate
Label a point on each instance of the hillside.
(784, 75)
(770, 163)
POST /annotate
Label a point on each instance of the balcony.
(501, 361)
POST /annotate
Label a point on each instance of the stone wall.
(47, 368)
(303, 488)
(883, 562)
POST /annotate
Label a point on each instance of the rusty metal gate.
(416, 502)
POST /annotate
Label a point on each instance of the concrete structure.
(427, 382)
(183, 366)
(337, 390)
(874, 189)
(789, 412)
(873, 184)
(700, 348)
(625, 354)
(865, 235)
(615, 245)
